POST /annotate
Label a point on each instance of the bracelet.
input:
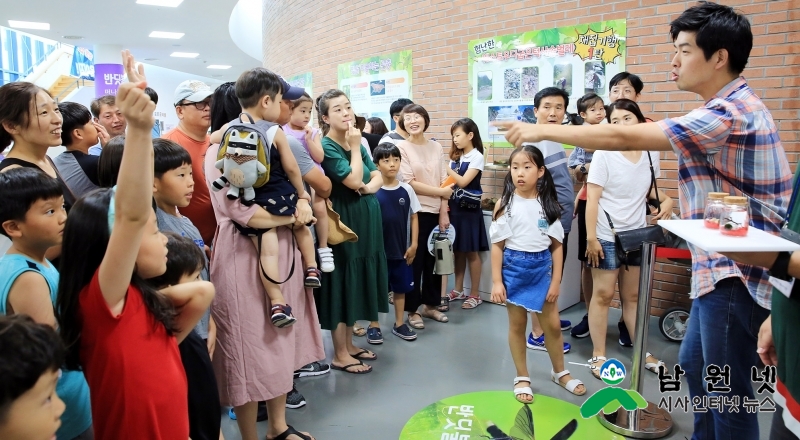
(780, 269)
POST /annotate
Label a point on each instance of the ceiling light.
(72, 37)
(165, 3)
(219, 66)
(29, 25)
(170, 35)
(184, 55)
(151, 59)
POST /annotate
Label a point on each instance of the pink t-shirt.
(300, 135)
(425, 164)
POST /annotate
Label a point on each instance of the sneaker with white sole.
(538, 343)
(374, 336)
(313, 369)
(582, 329)
(404, 332)
(566, 324)
(294, 399)
(326, 259)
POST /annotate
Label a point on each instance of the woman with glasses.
(423, 167)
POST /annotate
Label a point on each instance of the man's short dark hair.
(184, 257)
(398, 105)
(97, 104)
(717, 27)
(548, 92)
(75, 116)
(256, 83)
(29, 350)
(385, 150)
(20, 188)
(635, 81)
(152, 94)
(168, 155)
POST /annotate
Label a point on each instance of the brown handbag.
(338, 232)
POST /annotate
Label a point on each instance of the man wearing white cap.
(193, 107)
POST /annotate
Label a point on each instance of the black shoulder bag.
(628, 244)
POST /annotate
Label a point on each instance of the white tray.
(711, 240)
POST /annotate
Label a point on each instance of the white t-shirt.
(474, 159)
(625, 187)
(524, 227)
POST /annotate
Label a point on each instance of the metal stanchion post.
(651, 422)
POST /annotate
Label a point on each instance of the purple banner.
(107, 78)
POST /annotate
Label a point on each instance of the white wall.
(164, 82)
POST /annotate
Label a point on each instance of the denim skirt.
(526, 277)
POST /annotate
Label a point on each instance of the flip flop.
(363, 355)
(346, 368)
(291, 431)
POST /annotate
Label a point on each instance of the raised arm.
(133, 199)
(191, 300)
(354, 180)
(647, 137)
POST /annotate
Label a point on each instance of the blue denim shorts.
(526, 277)
(611, 260)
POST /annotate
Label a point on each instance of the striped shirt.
(732, 135)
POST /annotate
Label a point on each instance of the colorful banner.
(82, 63)
(108, 77)
(497, 415)
(506, 72)
(372, 84)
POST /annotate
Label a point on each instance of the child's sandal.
(523, 390)
(571, 385)
(282, 315)
(313, 278)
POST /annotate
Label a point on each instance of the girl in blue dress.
(466, 169)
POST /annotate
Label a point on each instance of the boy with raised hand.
(32, 215)
(730, 144)
(399, 206)
(31, 355)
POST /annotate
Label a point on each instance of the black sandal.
(363, 355)
(291, 431)
(444, 305)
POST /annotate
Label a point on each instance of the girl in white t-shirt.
(527, 262)
(465, 170)
(619, 184)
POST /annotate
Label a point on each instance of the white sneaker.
(326, 259)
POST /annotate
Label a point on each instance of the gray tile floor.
(470, 353)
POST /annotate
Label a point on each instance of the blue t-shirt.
(555, 159)
(72, 387)
(397, 204)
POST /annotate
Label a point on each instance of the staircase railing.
(78, 83)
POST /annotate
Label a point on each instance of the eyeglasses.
(202, 105)
(412, 117)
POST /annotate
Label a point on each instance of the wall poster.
(373, 83)
(506, 72)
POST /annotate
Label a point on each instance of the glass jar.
(735, 217)
(714, 206)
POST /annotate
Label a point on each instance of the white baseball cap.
(192, 90)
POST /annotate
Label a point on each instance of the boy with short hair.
(173, 185)
(396, 111)
(79, 132)
(625, 85)
(32, 215)
(31, 355)
(260, 93)
(399, 206)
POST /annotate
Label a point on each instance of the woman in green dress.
(357, 289)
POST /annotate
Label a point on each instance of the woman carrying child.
(466, 168)
(527, 264)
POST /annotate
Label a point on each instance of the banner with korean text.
(506, 72)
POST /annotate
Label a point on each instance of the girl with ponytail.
(527, 262)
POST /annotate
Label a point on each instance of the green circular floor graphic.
(497, 415)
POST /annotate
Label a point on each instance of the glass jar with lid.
(735, 217)
(714, 205)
